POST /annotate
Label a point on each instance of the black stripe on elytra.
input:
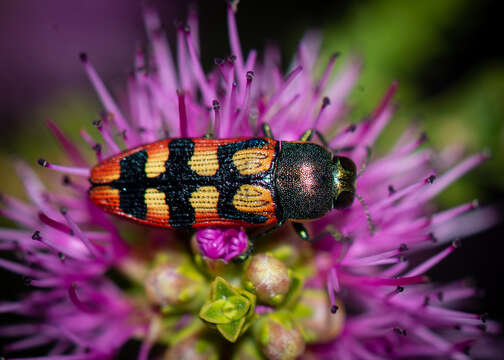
(179, 182)
(131, 184)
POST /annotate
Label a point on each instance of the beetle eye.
(347, 164)
(344, 200)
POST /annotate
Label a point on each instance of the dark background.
(41, 76)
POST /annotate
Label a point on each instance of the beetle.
(190, 183)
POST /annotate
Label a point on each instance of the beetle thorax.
(304, 180)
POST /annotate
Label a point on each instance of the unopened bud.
(279, 337)
(313, 311)
(175, 283)
(268, 277)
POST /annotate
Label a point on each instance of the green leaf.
(251, 298)
(221, 289)
(251, 316)
(232, 309)
(214, 312)
(232, 330)
(236, 307)
(249, 320)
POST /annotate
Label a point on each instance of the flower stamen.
(108, 101)
(68, 145)
(64, 169)
(72, 294)
(76, 230)
(182, 113)
(430, 263)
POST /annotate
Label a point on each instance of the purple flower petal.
(223, 244)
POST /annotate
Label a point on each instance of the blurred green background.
(444, 54)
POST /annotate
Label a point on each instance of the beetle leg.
(336, 235)
(301, 231)
(343, 149)
(303, 234)
(322, 139)
(210, 134)
(307, 135)
(266, 129)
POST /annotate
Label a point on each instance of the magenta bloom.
(370, 262)
(222, 244)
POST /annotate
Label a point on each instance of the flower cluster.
(360, 292)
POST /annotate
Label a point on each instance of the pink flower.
(370, 258)
(222, 244)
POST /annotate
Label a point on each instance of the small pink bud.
(224, 244)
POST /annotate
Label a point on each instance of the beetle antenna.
(370, 222)
(366, 161)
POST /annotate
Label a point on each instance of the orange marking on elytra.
(106, 197)
(205, 199)
(204, 161)
(107, 171)
(254, 199)
(110, 169)
(158, 210)
(204, 202)
(254, 160)
(157, 155)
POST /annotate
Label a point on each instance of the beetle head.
(344, 173)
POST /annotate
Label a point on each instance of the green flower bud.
(313, 311)
(193, 348)
(174, 284)
(268, 277)
(229, 309)
(279, 336)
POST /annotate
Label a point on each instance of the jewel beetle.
(190, 183)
